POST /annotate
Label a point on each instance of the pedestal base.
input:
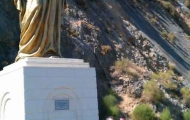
(48, 89)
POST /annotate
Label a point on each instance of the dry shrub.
(186, 95)
(152, 93)
(172, 66)
(169, 7)
(153, 20)
(105, 49)
(187, 3)
(164, 34)
(126, 67)
(188, 37)
(171, 37)
(165, 78)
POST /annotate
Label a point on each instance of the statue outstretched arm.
(18, 4)
(21, 6)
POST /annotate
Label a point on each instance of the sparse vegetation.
(169, 7)
(153, 20)
(73, 33)
(172, 66)
(143, 112)
(165, 115)
(186, 95)
(152, 93)
(188, 15)
(186, 115)
(169, 36)
(188, 37)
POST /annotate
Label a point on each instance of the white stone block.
(61, 72)
(35, 72)
(36, 83)
(84, 72)
(91, 112)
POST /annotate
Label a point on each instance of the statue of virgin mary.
(40, 22)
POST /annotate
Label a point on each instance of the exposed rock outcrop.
(100, 32)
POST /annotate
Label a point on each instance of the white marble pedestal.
(48, 89)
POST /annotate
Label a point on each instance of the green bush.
(186, 115)
(113, 111)
(109, 100)
(143, 112)
(165, 115)
(186, 95)
(152, 93)
(164, 34)
(167, 5)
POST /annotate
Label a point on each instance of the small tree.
(110, 102)
(165, 115)
(143, 112)
(186, 115)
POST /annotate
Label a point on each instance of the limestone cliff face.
(9, 32)
(100, 32)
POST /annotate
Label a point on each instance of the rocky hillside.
(102, 32)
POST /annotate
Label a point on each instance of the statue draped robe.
(40, 22)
